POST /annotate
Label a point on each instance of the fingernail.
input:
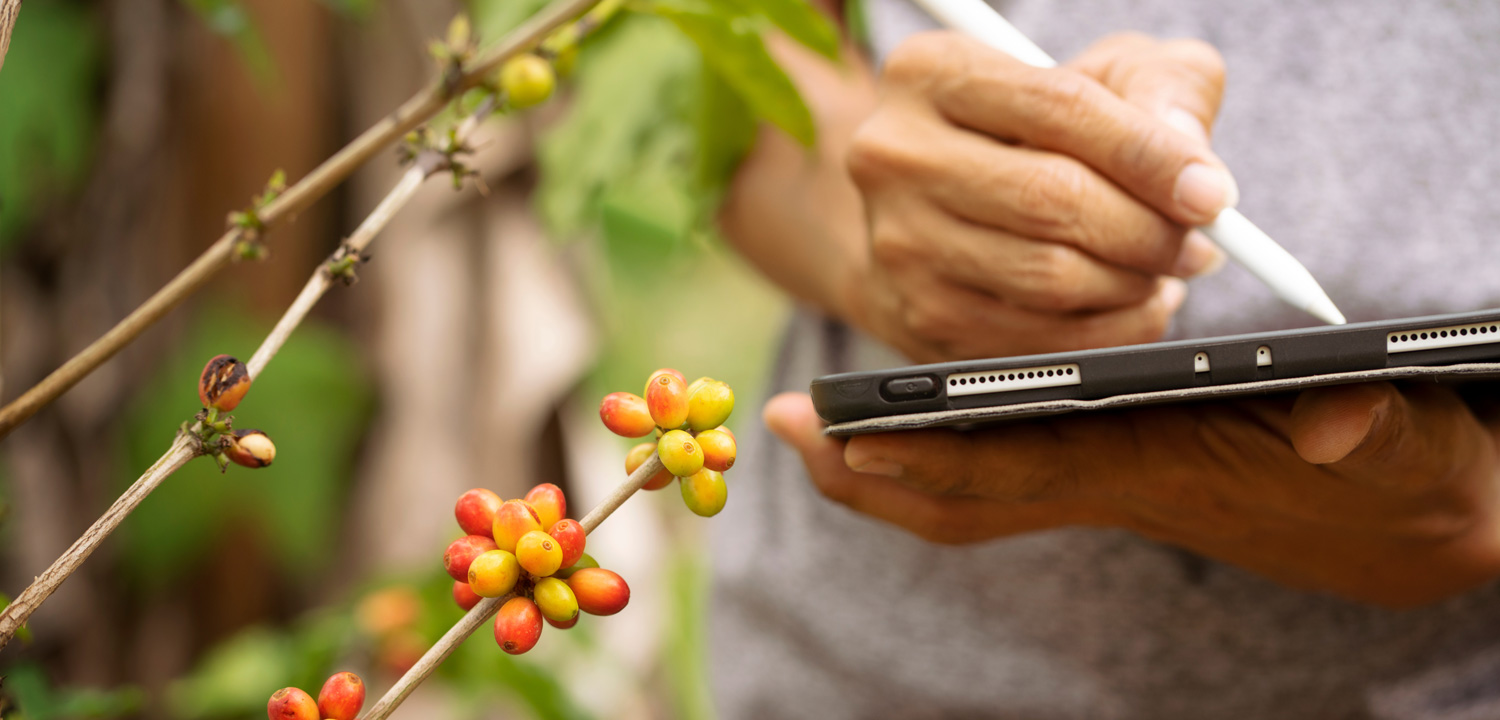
(1199, 257)
(1173, 292)
(1203, 190)
(1187, 123)
(880, 467)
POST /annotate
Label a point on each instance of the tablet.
(1465, 345)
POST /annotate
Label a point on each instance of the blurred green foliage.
(47, 109)
(26, 688)
(314, 402)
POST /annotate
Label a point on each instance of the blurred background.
(472, 353)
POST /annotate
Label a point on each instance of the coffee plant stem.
(186, 446)
(420, 108)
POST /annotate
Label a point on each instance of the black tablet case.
(1324, 354)
(913, 421)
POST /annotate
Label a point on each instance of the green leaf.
(47, 110)
(28, 686)
(628, 112)
(731, 44)
(799, 20)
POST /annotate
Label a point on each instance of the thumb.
(1179, 81)
(1374, 430)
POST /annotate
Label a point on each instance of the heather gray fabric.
(1363, 138)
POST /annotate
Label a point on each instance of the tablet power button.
(919, 387)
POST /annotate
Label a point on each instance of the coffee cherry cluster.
(340, 699)
(222, 385)
(691, 440)
(530, 549)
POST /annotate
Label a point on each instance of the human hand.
(1016, 210)
(1372, 493)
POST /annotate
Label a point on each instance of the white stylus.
(1232, 231)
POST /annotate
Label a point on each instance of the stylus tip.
(1325, 310)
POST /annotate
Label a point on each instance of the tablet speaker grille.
(1442, 337)
(1012, 379)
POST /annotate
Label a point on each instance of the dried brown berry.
(223, 383)
(251, 448)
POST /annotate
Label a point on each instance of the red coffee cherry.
(659, 373)
(626, 415)
(599, 591)
(667, 401)
(464, 595)
(291, 703)
(342, 697)
(514, 519)
(518, 625)
(571, 538)
(718, 449)
(475, 511)
(462, 552)
(548, 501)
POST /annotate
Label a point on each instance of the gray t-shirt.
(1363, 136)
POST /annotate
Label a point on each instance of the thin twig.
(9, 11)
(421, 107)
(476, 617)
(185, 448)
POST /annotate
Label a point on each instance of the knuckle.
(1052, 195)
(1155, 147)
(1063, 98)
(1054, 278)
(880, 150)
(919, 60)
(893, 248)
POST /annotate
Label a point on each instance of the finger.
(1025, 461)
(1374, 430)
(1179, 81)
(1065, 111)
(1044, 276)
(933, 320)
(1053, 197)
(939, 519)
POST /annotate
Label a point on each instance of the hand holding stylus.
(1013, 210)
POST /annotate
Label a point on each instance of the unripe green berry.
(705, 492)
(679, 453)
(710, 405)
(584, 561)
(527, 80)
(555, 599)
(539, 553)
(494, 573)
